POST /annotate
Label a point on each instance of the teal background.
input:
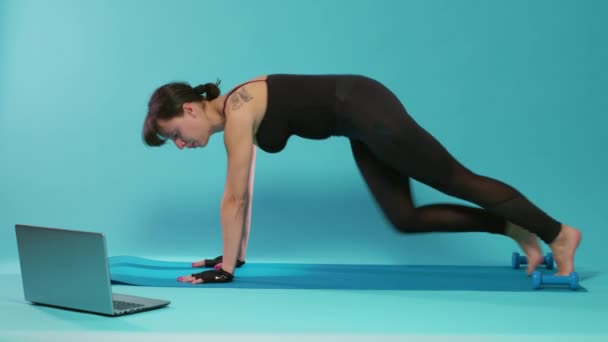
(516, 90)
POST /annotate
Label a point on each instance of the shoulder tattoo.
(239, 97)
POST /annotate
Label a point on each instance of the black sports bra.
(302, 105)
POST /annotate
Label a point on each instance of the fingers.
(207, 262)
(199, 263)
(189, 279)
(211, 276)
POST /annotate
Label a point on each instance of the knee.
(405, 223)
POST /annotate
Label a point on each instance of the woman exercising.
(388, 146)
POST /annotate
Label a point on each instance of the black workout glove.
(218, 260)
(214, 276)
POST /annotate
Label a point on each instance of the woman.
(389, 148)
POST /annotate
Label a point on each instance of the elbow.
(236, 200)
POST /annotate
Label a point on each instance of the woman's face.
(190, 130)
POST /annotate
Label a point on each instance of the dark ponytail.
(211, 90)
(166, 103)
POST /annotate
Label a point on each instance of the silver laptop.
(69, 269)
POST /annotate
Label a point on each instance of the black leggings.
(390, 148)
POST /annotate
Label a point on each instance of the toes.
(531, 270)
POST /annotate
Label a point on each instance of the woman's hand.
(215, 263)
(211, 276)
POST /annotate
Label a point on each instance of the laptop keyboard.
(120, 305)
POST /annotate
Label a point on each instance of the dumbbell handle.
(523, 260)
(551, 279)
(538, 279)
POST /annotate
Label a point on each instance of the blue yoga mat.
(131, 270)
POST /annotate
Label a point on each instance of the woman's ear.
(188, 109)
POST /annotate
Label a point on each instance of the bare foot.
(528, 243)
(564, 246)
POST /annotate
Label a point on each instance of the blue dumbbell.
(517, 260)
(539, 279)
